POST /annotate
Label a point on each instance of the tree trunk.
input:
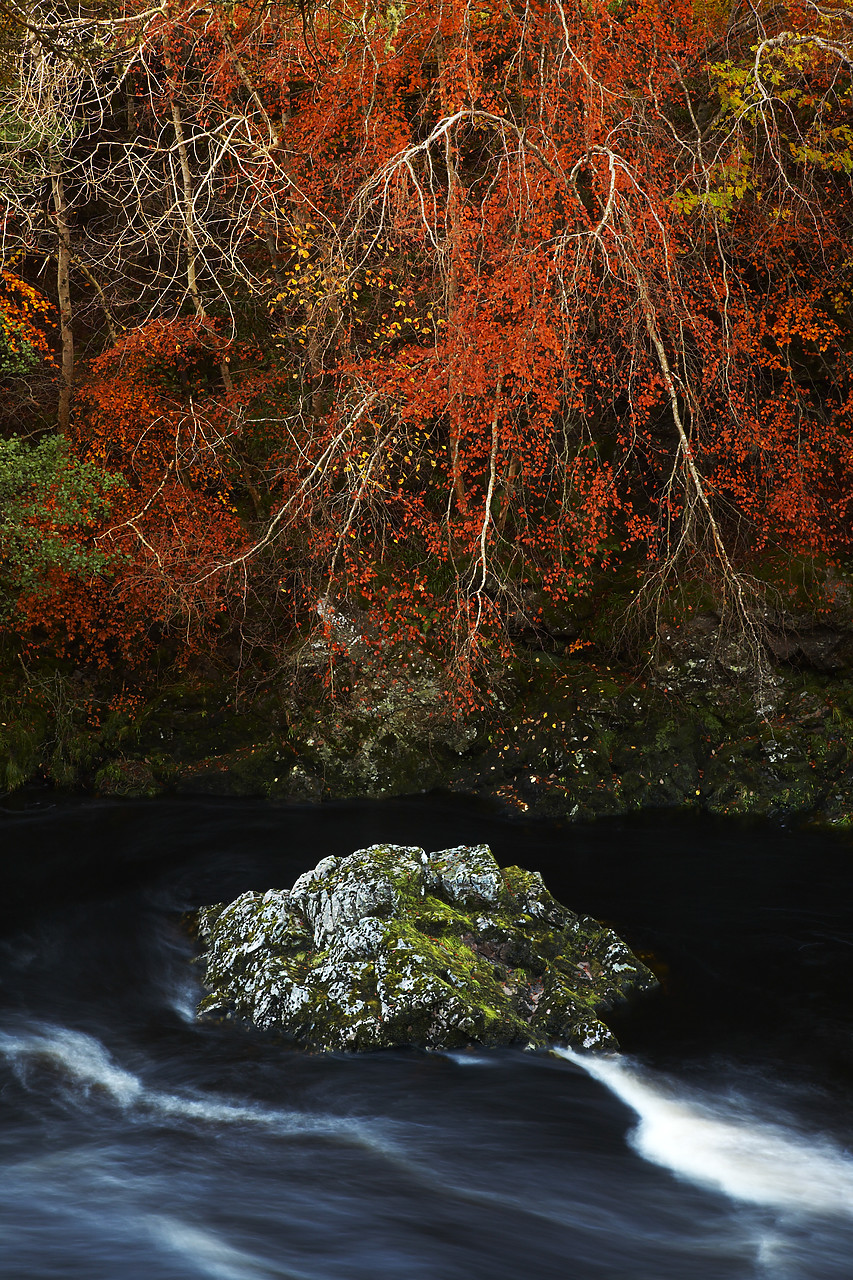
(63, 289)
(190, 245)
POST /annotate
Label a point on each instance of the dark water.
(136, 1145)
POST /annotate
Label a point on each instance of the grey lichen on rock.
(392, 946)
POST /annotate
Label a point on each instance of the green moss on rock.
(393, 946)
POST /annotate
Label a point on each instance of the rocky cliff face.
(392, 946)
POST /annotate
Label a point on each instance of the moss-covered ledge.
(565, 737)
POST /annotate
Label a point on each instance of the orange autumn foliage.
(149, 417)
(521, 294)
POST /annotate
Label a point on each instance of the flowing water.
(137, 1145)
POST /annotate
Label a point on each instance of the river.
(137, 1145)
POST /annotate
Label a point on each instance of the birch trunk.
(63, 289)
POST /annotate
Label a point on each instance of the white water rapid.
(698, 1139)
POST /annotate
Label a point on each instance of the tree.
(50, 504)
(559, 315)
(461, 307)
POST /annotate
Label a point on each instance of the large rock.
(393, 946)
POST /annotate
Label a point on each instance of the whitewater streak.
(87, 1063)
(91, 1071)
(746, 1160)
(88, 1073)
(693, 1136)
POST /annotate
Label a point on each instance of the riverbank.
(565, 736)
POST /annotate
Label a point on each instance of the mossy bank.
(564, 737)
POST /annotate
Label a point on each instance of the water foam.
(84, 1060)
(210, 1254)
(744, 1159)
(87, 1064)
(183, 999)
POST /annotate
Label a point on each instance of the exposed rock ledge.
(393, 946)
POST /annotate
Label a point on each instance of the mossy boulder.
(393, 946)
